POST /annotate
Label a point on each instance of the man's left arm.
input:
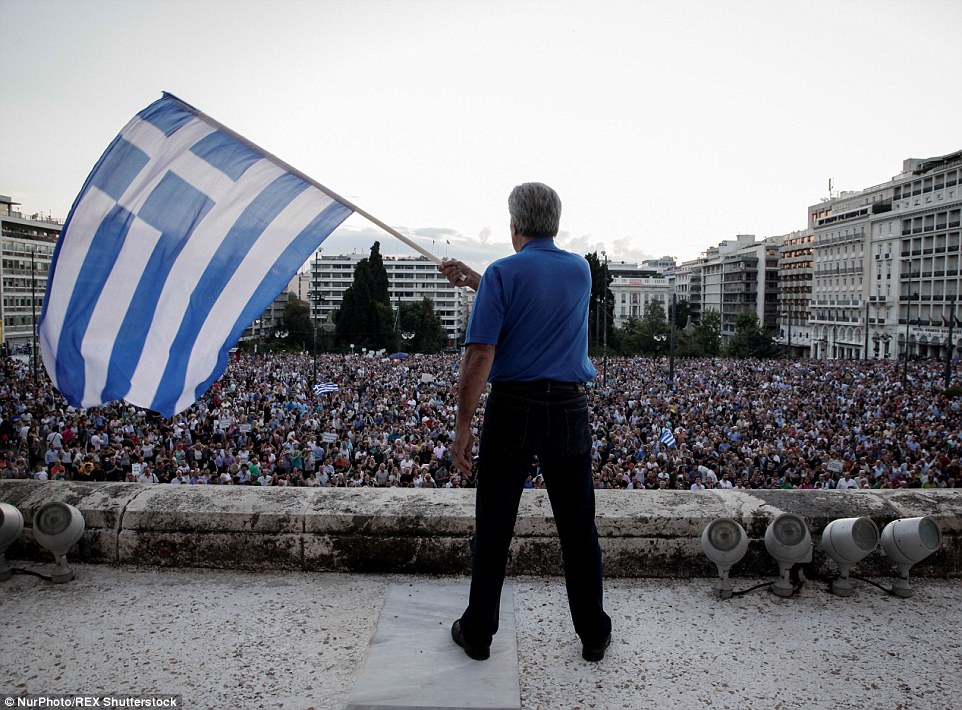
(475, 368)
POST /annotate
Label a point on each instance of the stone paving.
(239, 639)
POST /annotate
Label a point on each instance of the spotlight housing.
(724, 542)
(57, 526)
(787, 540)
(848, 541)
(11, 526)
(906, 542)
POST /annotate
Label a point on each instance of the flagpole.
(291, 169)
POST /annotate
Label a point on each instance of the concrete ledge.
(643, 534)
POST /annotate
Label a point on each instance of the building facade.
(410, 279)
(741, 275)
(795, 278)
(686, 280)
(634, 286)
(26, 251)
(886, 265)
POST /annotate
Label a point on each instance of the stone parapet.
(643, 533)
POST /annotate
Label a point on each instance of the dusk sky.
(666, 127)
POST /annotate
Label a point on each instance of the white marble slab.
(413, 663)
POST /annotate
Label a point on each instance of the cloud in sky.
(664, 126)
(351, 239)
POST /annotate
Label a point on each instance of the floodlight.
(724, 542)
(57, 526)
(848, 541)
(906, 542)
(787, 540)
(11, 525)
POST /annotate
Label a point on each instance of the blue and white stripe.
(667, 438)
(181, 236)
(322, 387)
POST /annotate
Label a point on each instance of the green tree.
(629, 337)
(423, 322)
(706, 341)
(365, 317)
(655, 330)
(297, 322)
(750, 339)
(682, 311)
(601, 278)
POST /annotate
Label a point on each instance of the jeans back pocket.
(578, 429)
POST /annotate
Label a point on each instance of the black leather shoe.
(597, 652)
(478, 653)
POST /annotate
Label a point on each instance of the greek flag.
(182, 235)
(667, 438)
(322, 387)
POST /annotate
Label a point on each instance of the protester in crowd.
(757, 421)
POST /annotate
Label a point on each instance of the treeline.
(368, 320)
(651, 334)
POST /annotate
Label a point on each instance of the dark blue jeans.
(552, 424)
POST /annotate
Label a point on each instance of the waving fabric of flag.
(322, 387)
(667, 438)
(182, 235)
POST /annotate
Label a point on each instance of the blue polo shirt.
(533, 306)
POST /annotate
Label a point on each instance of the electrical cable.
(751, 589)
(887, 590)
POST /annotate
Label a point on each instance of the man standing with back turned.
(528, 335)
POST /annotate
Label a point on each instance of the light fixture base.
(842, 587)
(62, 577)
(902, 588)
(723, 588)
(63, 573)
(783, 588)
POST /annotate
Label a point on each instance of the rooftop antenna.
(830, 196)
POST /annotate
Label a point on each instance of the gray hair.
(535, 210)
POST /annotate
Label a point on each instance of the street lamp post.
(604, 298)
(671, 356)
(866, 332)
(908, 320)
(878, 339)
(788, 314)
(949, 346)
(659, 339)
(33, 304)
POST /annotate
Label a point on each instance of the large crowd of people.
(745, 424)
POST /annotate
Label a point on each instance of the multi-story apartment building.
(795, 275)
(887, 264)
(741, 275)
(410, 279)
(26, 250)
